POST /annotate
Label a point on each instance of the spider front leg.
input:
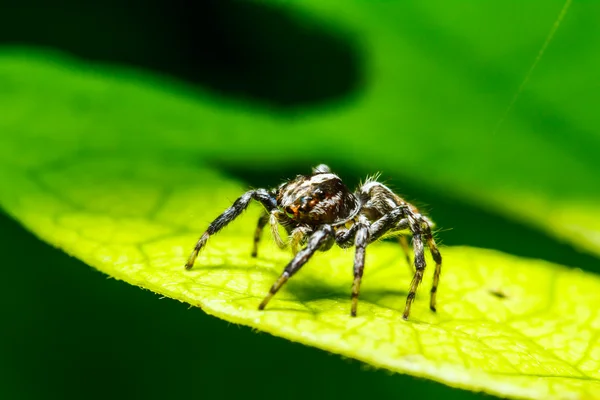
(316, 240)
(262, 221)
(260, 195)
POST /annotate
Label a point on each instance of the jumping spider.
(318, 210)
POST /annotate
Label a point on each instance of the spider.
(318, 211)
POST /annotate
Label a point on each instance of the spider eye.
(289, 212)
(319, 194)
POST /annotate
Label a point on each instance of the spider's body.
(319, 210)
(321, 198)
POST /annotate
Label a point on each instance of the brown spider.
(318, 210)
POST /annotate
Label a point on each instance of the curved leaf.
(436, 75)
(70, 171)
(505, 325)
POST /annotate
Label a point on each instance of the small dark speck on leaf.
(498, 293)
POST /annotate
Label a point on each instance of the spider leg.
(344, 237)
(315, 241)
(238, 206)
(262, 221)
(419, 251)
(359, 232)
(400, 218)
(395, 220)
(437, 257)
(406, 248)
(361, 241)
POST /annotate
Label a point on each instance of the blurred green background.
(69, 332)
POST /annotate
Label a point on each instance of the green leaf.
(70, 170)
(438, 76)
(505, 325)
(441, 76)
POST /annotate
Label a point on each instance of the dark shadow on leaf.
(274, 56)
(77, 327)
(375, 295)
(499, 294)
(309, 290)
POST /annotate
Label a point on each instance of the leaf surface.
(110, 166)
(505, 325)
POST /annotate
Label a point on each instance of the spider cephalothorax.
(321, 198)
(319, 210)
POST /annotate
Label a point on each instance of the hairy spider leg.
(360, 242)
(437, 257)
(394, 220)
(260, 195)
(344, 237)
(262, 221)
(403, 240)
(417, 242)
(357, 234)
(316, 240)
(274, 222)
(400, 218)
